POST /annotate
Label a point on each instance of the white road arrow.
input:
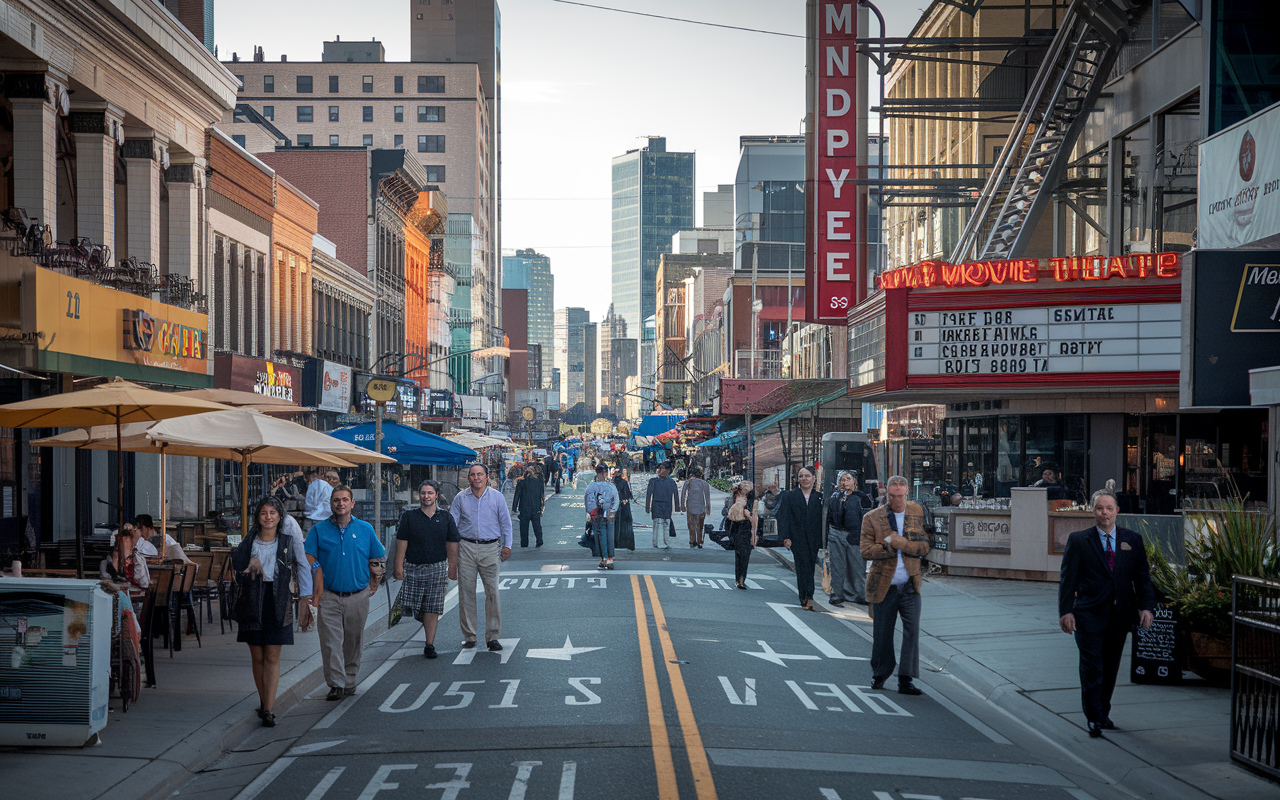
(780, 659)
(565, 653)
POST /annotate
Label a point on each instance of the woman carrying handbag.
(265, 563)
(741, 524)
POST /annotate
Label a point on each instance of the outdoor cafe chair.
(156, 609)
(206, 579)
(184, 599)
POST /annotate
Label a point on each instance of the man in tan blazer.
(894, 541)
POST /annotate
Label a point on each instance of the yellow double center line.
(697, 754)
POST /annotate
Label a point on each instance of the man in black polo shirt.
(426, 560)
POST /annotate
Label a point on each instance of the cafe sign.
(266, 378)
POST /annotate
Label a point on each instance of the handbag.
(671, 528)
(826, 570)
(397, 610)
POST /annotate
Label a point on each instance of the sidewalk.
(204, 703)
(1000, 639)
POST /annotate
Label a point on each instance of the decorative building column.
(183, 179)
(96, 173)
(142, 168)
(35, 180)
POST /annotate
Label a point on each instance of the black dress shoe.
(268, 719)
(494, 645)
(429, 651)
(1107, 724)
(469, 643)
(836, 603)
(877, 684)
(905, 686)
(1095, 730)
(350, 691)
(335, 693)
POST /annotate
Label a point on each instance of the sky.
(582, 85)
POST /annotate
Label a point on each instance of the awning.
(738, 434)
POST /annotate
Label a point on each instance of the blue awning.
(408, 445)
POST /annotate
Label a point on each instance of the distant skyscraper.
(652, 199)
(528, 269)
(572, 357)
(612, 385)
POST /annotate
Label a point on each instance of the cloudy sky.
(582, 85)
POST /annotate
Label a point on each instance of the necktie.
(1111, 554)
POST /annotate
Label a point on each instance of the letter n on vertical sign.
(834, 239)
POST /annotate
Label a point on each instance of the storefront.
(1057, 372)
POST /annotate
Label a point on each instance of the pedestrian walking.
(800, 517)
(844, 542)
(426, 560)
(624, 534)
(1105, 589)
(894, 541)
(347, 563)
(316, 504)
(554, 472)
(741, 526)
(265, 562)
(661, 500)
(528, 505)
(695, 496)
(601, 501)
(484, 528)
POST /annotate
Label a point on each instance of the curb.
(173, 768)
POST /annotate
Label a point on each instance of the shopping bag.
(397, 610)
(671, 528)
(826, 572)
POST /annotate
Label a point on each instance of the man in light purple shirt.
(484, 526)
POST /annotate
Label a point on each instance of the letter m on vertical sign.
(835, 205)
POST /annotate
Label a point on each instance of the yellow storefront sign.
(78, 318)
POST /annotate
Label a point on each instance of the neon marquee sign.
(940, 274)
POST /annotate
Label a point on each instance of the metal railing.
(1255, 674)
(757, 364)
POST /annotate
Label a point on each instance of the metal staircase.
(1038, 149)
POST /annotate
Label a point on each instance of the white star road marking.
(775, 657)
(565, 653)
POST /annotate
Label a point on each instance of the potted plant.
(1226, 538)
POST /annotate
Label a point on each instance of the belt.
(346, 594)
(478, 541)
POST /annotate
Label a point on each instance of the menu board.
(1155, 656)
(1056, 339)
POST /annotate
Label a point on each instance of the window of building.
(269, 112)
(333, 113)
(304, 139)
(268, 83)
(399, 141)
(333, 84)
(366, 113)
(430, 84)
(430, 113)
(430, 144)
(238, 139)
(368, 140)
(304, 84)
(435, 174)
(399, 113)
(399, 84)
(366, 84)
(333, 140)
(304, 114)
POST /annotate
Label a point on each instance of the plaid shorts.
(424, 588)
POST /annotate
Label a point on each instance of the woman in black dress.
(741, 526)
(426, 560)
(265, 563)
(624, 535)
(800, 517)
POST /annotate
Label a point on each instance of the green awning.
(730, 437)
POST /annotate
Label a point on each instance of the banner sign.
(255, 375)
(335, 387)
(1258, 301)
(1058, 339)
(1240, 184)
(834, 238)
(1235, 312)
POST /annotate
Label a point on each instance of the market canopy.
(478, 441)
(408, 445)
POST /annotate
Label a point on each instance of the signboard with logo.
(335, 387)
(267, 378)
(834, 236)
(978, 531)
(1239, 195)
(72, 317)
(1236, 316)
(404, 403)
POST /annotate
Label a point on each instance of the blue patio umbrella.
(408, 445)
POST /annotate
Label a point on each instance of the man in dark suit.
(1105, 589)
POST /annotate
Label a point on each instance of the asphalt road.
(655, 680)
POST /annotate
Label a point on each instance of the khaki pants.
(695, 527)
(484, 560)
(341, 627)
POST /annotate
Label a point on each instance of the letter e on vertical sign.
(835, 242)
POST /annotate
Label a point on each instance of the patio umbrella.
(133, 439)
(409, 445)
(114, 403)
(238, 399)
(256, 438)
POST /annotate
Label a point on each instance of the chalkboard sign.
(1156, 656)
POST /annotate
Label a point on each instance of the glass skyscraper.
(528, 269)
(652, 200)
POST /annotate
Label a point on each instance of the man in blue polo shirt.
(343, 552)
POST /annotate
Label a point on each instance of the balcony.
(762, 364)
(460, 318)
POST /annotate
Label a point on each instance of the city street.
(657, 679)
